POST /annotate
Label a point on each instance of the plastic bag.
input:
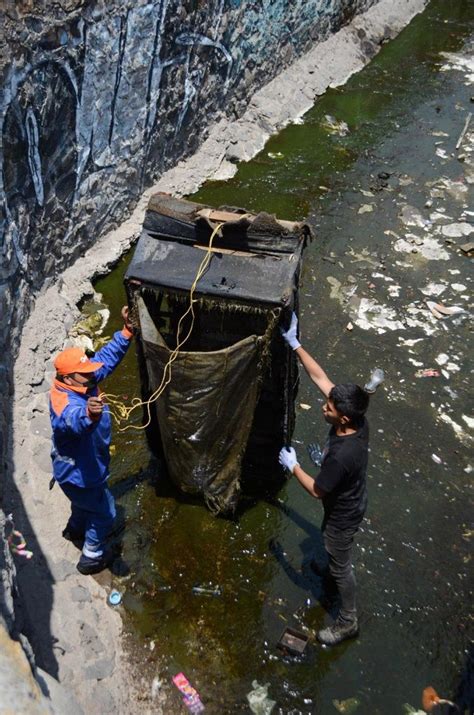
(259, 702)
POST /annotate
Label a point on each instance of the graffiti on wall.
(65, 124)
(118, 96)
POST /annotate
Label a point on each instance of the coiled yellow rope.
(121, 412)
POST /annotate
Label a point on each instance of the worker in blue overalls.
(81, 424)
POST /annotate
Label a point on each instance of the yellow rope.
(121, 412)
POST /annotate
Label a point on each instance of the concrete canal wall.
(101, 100)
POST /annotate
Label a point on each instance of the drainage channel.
(374, 166)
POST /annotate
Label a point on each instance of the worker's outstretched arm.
(113, 351)
(314, 370)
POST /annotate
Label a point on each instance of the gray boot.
(339, 631)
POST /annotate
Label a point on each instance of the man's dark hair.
(350, 400)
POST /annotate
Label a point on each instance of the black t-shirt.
(343, 477)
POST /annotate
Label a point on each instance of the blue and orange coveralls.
(81, 450)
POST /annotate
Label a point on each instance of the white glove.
(290, 334)
(288, 459)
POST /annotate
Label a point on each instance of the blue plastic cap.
(115, 598)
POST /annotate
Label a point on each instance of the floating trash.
(442, 311)
(436, 459)
(411, 216)
(456, 230)
(469, 421)
(467, 248)
(430, 698)
(375, 316)
(115, 597)
(376, 378)
(428, 372)
(331, 124)
(410, 710)
(191, 697)
(429, 248)
(434, 289)
(293, 642)
(347, 706)
(259, 702)
(207, 590)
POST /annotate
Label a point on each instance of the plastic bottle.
(376, 378)
(207, 590)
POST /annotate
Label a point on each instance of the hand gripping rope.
(121, 412)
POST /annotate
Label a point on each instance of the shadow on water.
(412, 591)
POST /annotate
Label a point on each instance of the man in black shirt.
(340, 484)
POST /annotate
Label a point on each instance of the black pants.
(338, 544)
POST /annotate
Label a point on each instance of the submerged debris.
(259, 702)
(207, 589)
(331, 124)
(347, 706)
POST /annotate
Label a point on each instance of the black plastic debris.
(293, 642)
(229, 403)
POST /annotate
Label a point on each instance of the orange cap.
(74, 360)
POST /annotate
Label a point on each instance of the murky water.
(414, 550)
